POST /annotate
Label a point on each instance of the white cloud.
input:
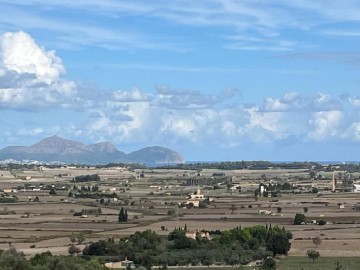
(293, 101)
(20, 53)
(30, 75)
(352, 132)
(324, 125)
(134, 95)
(355, 101)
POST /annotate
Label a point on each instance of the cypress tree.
(122, 215)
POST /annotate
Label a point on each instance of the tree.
(203, 204)
(268, 264)
(279, 209)
(41, 258)
(305, 209)
(80, 238)
(11, 259)
(52, 192)
(299, 218)
(338, 266)
(73, 249)
(313, 254)
(312, 174)
(314, 190)
(123, 215)
(171, 212)
(233, 208)
(317, 241)
(73, 238)
(278, 244)
(321, 222)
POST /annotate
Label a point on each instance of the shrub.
(268, 264)
(171, 212)
(322, 222)
(299, 218)
(313, 254)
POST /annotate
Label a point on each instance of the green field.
(323, 263)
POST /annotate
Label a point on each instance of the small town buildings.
(356, 187)
(196, 195)
(201, 234)
(264, 212)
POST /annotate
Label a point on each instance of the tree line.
(230, 247)
(12, 259)
(87, 178)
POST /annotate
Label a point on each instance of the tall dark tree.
(123, 215)
(278, 244)
(299, 218)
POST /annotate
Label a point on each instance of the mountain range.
(57, 149)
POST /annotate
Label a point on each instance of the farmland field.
(154, 199)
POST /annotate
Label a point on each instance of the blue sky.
(215, 80)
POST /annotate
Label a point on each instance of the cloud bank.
(32, 81)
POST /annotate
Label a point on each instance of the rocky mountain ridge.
(55, 148)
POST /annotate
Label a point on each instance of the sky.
(215, 80)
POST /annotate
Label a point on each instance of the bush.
(322, 222)
(314, 190)
(171, 212)
(299, 218)
(313, 254)
(268, 264)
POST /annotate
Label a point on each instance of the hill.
(55, 148)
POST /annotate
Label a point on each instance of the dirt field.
(47, 224)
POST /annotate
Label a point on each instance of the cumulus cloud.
(20, 53)
(324, 124)
(352, 132)
(30, 75)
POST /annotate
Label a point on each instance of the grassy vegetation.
(323, 263)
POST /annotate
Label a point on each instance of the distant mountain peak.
(56, 148)
(56, 144)
(157, 154)
(103, 147)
